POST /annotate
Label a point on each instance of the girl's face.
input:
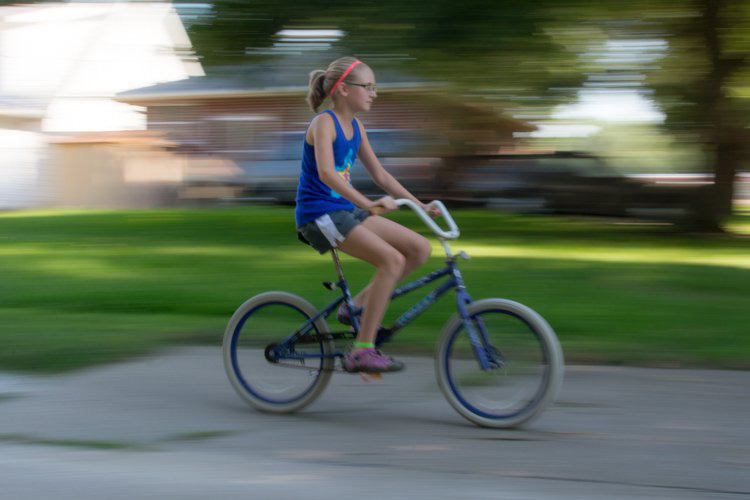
(359, 89)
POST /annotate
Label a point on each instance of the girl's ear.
(343, 89)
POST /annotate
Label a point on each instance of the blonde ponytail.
(316, 95)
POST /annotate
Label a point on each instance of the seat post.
(337, 263)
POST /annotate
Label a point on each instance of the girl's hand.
(431, 210)
(382, 206)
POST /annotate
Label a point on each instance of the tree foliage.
(528, 56)
(505, 52)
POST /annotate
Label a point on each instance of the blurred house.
(60, 66)
(256, 116)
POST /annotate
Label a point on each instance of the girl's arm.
(324, 131)
(382, 177)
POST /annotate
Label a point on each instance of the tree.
(699, 89)
(701, 83)
(475, 45)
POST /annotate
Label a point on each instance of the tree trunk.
(725, 171)
(722, 135)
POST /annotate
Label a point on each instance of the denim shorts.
(328, 230)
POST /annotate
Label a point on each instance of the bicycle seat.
(302, 238)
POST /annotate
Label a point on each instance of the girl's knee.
(421, 251)
(393, 263)
(425, 250)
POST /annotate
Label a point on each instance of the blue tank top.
(314, 197)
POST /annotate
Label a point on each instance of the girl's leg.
(389, 263)
(413, 246)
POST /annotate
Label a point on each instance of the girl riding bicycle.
(332, 213)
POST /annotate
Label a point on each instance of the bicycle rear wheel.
(527, 371)
(283, 385)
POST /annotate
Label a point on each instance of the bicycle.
(498, 363)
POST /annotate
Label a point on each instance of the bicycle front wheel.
(280, 385)
(526, 364)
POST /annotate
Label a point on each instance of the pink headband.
(346, 73)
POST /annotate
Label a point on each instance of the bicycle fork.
(487, 356)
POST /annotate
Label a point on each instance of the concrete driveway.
(171, 426)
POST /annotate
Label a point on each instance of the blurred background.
(636, 110)
(596, 154)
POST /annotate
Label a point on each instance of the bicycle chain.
(309, 368)
(316, 338)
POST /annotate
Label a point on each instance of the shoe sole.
(374, 370)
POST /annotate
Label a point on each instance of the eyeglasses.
(370, 87)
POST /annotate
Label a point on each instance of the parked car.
(275, 177)
(561, 183)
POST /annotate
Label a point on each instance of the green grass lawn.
(93, 287)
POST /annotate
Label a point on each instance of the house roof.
(289, 75)
(281, 75)
(127, 137)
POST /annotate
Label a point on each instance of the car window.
(283, 145)
(579, 165)
(402, 142)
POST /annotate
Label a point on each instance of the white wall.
(81, 54)
(23, 182)
(73, 58)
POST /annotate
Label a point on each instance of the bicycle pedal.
(384, 335)
(370, 377)
(329, 285)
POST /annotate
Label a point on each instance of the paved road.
(170, 426)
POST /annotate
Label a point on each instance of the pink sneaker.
(371, 361)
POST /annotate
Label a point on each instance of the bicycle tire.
(275, 387)
(506, 396)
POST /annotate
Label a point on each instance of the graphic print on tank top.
(344, 171)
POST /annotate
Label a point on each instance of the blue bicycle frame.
(477, 336)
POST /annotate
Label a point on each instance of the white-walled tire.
(275, 386)
(518, 391)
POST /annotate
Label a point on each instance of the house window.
(243, 136)
(180, 122)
